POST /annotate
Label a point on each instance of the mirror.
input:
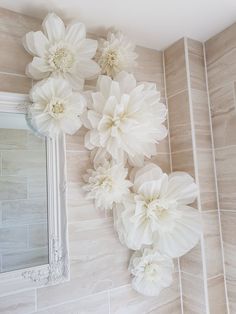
(23, 195)
(33, 218)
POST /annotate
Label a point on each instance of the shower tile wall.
(221, 69)
(23, 208)
(100, 282)
(191, 151)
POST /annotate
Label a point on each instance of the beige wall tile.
(193, 294)
(20, 303)
(206, 180)
(94, 304)
(216, 294)
(173, 307)
(125, 300)
(78, 207)
(195, 47)
(13, 188)
(220, 44)
(14, 83)
(226, 176)
(223, 71)
(197, 72)
(150, 67)
(201, 119)
(183, 161)
(163, 161)
(231, 288)
(77, 163)
(192, 261)
(76, 142)
(178, 106)
(175, 68)
(212, 244)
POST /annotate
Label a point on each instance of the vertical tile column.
(191, 150)
(221, 69)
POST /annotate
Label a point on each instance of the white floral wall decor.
(61, 51)
(107, 184)
(151, 271)
(55, 107)
(116, 53)
(125, 119)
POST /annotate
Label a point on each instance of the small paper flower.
(125, 119)
(107, 184)
(55, 108)
(61, 51)
(116, 54)
(151, 271)
(157, 212)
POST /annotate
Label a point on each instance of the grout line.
(14, 74)
(177, 93)
(196, 171)
(216, 183)
(36, 301)
(171, 169)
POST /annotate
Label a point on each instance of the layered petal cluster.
(107, 184)
(55, 107)
(157, 213)
(125, 119)
(116, 54)
(61, 51)
(151, 271)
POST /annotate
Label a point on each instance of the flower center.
(62, 59)
(111, 58)
(151, 271)
(106, 183)
(56, 108)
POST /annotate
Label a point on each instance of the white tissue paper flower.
(55, 107)
(61, 51)
(151, 271)
(106, 184)
(125, 119)
(116, 54)
(157, 212)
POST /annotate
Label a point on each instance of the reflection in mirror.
(23, 195)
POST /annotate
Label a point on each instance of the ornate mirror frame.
(57, 270)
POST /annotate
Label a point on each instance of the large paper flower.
(151, 271)
(116, 54)
(125, 119)
(55, 108)
(62, 52)
(107, 184)
(157, 212)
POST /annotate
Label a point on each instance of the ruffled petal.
(127, 82)
(53, 27)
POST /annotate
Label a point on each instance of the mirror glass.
(23, 195)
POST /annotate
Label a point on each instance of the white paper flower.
(62, 52)
(125, 118)
(151, 271)
(157, 212)
(55, 108)
(116, 54)
(107, 184)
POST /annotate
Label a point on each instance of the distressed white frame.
(57, 270)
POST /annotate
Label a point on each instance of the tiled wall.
(23, 200)
(191, 150)
(100, 282)
(221, 69)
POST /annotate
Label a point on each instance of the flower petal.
(53, 27)
(75, 33)
(87, 48)
(87, 68)
(38, 69)
(35, 43)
